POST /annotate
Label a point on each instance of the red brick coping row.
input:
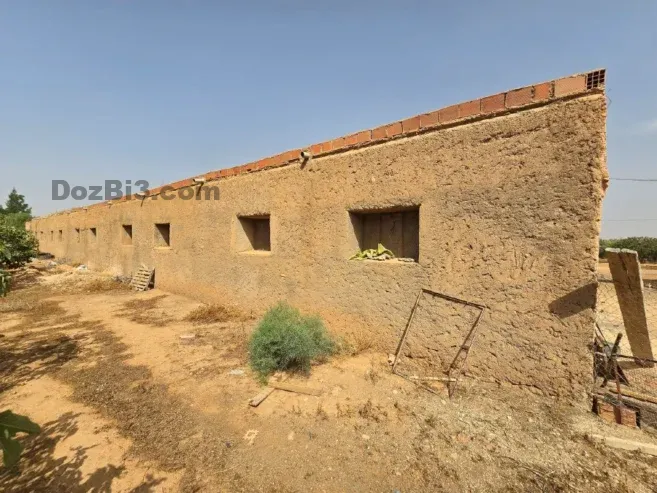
(496, 105)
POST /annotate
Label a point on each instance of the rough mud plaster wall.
(509, 217)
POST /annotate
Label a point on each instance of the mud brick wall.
(498, 199)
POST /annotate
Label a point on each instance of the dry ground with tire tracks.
(126, 406)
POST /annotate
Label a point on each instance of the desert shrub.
(646, 247)
(17, 246)
(287, 340)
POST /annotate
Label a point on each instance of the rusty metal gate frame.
(461, 355)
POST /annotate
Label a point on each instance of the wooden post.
(626, 273)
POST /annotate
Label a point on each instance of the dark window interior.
(397, 230)
(163, 235)
(257, 231)
(127, 234)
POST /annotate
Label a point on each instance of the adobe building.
(496, 200)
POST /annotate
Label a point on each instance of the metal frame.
(461, 356)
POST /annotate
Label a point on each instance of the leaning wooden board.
(142, 279)
(626, 273)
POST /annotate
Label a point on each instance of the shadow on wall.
(576, 301)
(40, 470)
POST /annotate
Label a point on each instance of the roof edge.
(500, 104)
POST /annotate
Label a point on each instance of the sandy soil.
(126, 405)
(648, 271)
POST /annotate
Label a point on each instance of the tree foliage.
(17, 246)
(16, 219)
(16, 204)
(645, 246)
(10, 425)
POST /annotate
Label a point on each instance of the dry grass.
(372, 374)
(372, 412)
(160, 319)
(343, 412)
(15, 304)
(431, 421)
(321, 413)
(142, 311)
(104, 285)
(356, 342)
(209, 314)
(33, 311)
(143, 304)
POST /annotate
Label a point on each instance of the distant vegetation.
(15, 212)
(645, 246)
(17, 246)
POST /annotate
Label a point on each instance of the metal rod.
(453, 298)
(468, 340)
(408, 325)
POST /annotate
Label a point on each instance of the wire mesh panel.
(610, 318)
(618, 373)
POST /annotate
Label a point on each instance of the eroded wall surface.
(509, 216)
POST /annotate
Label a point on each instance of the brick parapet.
(507, 102)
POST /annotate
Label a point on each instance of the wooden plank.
(391, 232)
(630, 393)
(622, 444)
(371, 231)
(299, 389)
(626, 273)
(255, 402)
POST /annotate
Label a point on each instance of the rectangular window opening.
(162, 235)
(126, 237)
(398, 230)
(52, 235)
(60, 236)
(254, 233)
(77, 235)
(93, 234)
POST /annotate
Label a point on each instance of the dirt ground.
(648, 271)
(127, 405)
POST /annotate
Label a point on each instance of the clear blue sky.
(160, 90)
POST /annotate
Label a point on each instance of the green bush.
(17, 246)
(645, 246)
(287, 340)
(16, 219)
(10, 425)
